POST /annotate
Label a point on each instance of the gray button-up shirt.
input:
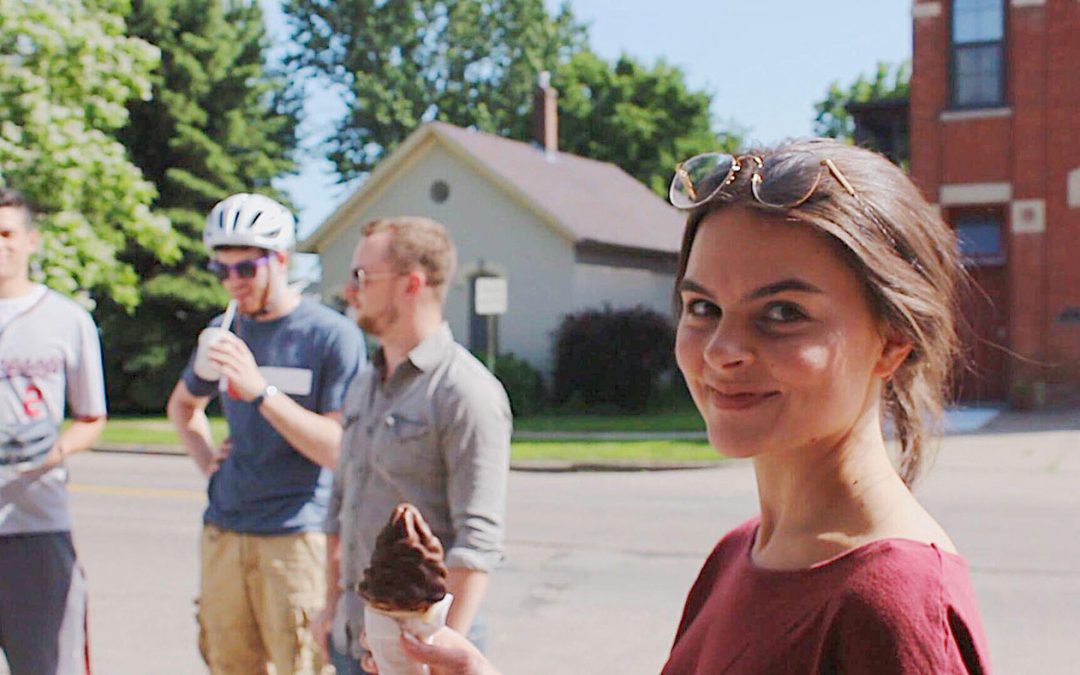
(436, 434)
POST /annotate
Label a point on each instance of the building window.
(980, 237)
(978, 53)
(439, 191)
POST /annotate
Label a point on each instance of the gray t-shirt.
(436, 434)
(50, 353)
(266, 486)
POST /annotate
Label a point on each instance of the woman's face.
(776, 340)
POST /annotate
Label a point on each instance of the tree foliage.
(220, 121)
(67, 70)
(888, 81)
(643, 119)
(475, 63)
(402, 63)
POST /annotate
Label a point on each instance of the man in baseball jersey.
(50, 355)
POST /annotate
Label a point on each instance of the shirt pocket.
(408, 447)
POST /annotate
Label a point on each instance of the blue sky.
(766, 64)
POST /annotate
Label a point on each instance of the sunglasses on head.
(781, 181)
(245, 269)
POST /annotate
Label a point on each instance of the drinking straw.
(230, 312)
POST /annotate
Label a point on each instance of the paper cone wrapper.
(384, 627)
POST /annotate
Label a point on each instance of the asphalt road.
(599, 563)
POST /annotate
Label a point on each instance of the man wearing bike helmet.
(282, 367)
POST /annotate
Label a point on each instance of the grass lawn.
(157, 431)
(151, 431)
(614, 451)
(683, 418)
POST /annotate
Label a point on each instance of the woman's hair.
(904, 255)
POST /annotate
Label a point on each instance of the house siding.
(492, 231)
(597, 286)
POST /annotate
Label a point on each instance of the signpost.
(490, 294)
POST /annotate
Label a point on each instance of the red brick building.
(995, 142)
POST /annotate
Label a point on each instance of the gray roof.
(595, 201)
(591, 202)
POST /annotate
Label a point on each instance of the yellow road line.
(119, 491)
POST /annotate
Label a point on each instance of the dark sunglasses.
(773, 182)
(245, 269)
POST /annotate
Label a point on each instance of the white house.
(567, 233)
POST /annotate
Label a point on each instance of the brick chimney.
(546, 115)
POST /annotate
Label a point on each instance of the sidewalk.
(1024, 421)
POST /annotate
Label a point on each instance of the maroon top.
(890, 606)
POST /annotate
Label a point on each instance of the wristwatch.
(266, 393)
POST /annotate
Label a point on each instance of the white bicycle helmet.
(250, 220)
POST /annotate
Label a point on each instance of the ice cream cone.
(405, 590)
(384, 628)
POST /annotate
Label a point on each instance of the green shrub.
(612, 358)
(524, 385)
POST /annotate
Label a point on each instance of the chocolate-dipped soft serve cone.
(407, 572)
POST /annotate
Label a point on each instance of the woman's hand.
(450, 653)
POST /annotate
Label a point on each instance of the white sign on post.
(491, 296)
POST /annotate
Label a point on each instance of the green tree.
(220, 121)
(475, 63)
(402, 63)
(889, 81)
(67, 70)
(643, 119)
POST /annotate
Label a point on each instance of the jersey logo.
(33, 402)
(295, 381)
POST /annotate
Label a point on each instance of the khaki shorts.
(258, 597)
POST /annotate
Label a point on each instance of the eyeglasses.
(774, 181)
(245, 269)
(779, 181)
(360, 278)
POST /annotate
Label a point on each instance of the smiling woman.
(815, 296)
(890, 244)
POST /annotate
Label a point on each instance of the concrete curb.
(139, 449)
(525, 465)
(610, 436)
(556, 466)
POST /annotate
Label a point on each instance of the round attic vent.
(439, 191)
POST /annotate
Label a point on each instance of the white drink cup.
(204, 368)
(384, 635)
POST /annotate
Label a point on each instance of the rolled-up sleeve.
(332, 524)
(475, 442)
